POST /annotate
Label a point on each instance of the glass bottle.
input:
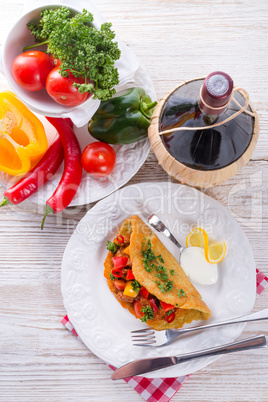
(202, 103)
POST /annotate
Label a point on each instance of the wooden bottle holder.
(181, 172)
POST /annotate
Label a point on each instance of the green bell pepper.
(123, 119)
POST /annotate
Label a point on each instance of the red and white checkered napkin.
(163, 389)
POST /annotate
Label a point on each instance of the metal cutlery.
(147, 337)
(151, 364)
(158, 225)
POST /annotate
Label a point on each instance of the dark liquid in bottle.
(207, 149)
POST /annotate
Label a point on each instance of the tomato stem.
(35, 45)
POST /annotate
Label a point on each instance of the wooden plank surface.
(176, 40)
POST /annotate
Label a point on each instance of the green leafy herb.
(165, 286)
(181, 293)
(172, 271)
(111, 246)
(148, 313)
(112, 277)
(136, 285)
(83, 50)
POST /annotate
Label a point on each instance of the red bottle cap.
(216, 92)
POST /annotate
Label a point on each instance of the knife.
(151, 364)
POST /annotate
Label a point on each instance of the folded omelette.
(148, 281)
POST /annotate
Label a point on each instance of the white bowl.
(39, 101)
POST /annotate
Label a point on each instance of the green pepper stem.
(5, 202)
(48, 211)
(35, 45)
(146, 108)
(149, 106)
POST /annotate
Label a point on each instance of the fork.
(150, 338)
(158, 225)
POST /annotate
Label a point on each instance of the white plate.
(101, 322)
(129, 158)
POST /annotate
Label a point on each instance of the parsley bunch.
(83, 50)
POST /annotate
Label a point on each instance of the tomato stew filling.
(146, 305)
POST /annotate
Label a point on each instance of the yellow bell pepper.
(126, 250)
(23, 139)
(129, 291)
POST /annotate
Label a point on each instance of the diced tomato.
(166, 306)
(170, 317)
(120, 262)
(120, 284)
(144, 292)
(117, 273)
(153, 304)
(137, 308)
(130, 275)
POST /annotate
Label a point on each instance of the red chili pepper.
(37, 177)
(166, 306)
(120, 262)
(72, 174)
(170, 317)
(130, 275)
(144, 292)
(117, 273)
(153, 304)
(120, 239)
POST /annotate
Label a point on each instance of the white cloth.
(131, 71)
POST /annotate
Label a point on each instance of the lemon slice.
(214, 252)
(197, 238)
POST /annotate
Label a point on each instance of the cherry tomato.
(98, 159)
(137, 308)
(120, 262)
(56, 62)
(61, 89)
(30, 70)
(120, 284)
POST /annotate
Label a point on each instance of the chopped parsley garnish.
(136, 285)
(148, 313)
(83, 50)
(154, 262)
(165, 287)
(172, 271)
(112, 277)
(181, 293)
(111, 246)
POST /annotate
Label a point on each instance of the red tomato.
(98, 159)
(120, 284)
(166, 306)
(144, 292)
(56, 62)
(30, 69)
(137, 308)
(130, 275)
(61, 89)
(120, 262)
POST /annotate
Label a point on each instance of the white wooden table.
(177, 40)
